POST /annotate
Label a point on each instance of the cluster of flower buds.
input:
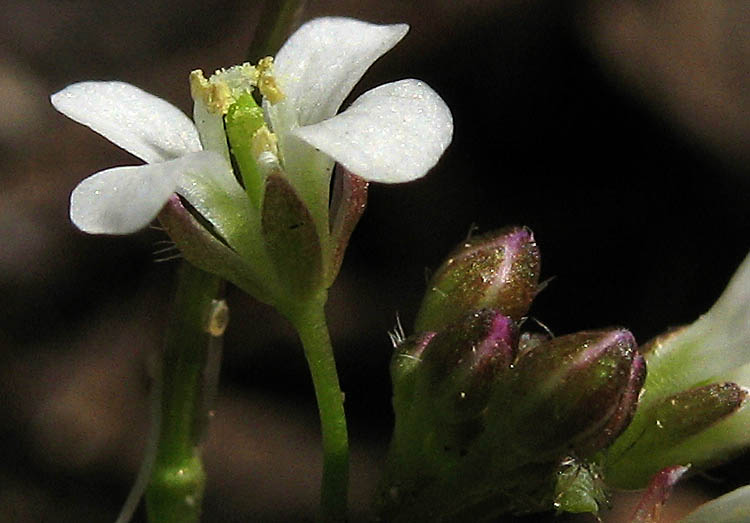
(488, 418)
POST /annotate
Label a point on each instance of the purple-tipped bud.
(442, 383)
(575, 392)
(458, 365)
(658, 491)
(499, 270)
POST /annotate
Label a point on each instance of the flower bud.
(442, 383)
(404, 365)
(446, 378)
(461, 362)
(498, 270)
(574, 392)
(671, 431)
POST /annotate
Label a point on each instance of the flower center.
(228, 94)
(226, 86)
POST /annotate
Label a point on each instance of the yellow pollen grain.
(264, 141)
(267, 82)
(216, 96)
(224, 87)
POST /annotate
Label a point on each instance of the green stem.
(276, 21)
(310, 322)
(175, 491)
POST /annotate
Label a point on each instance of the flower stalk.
(310, 323)
(175, 491)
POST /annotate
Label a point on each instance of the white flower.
(394, 133)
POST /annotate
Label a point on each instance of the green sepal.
(405, 363)
(292, 241)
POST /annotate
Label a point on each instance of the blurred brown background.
(618, 131)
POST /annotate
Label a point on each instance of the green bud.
(499, 270)
(667, 432)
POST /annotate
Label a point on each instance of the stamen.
(267, 82)
(224, 87)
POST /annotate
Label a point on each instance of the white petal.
(125, 199)
(211, 129)
(121, 200)
(141, 123)
(320, 64)
(393, 133)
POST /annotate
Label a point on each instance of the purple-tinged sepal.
(204, 248)
(348, 203)
(658, 491)
(624, 413)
